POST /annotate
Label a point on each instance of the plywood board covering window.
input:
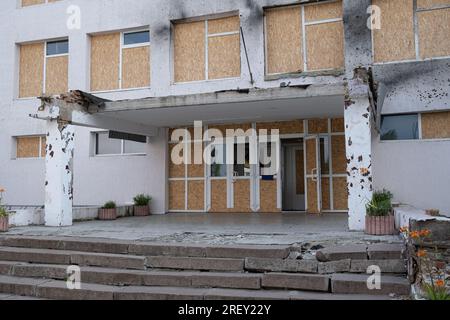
(207, 49)
(105, 60)
(31, 70)
(27, 3)
(30, 147)
(56, 78)
(284, 40)
(136, 67)
(434, 33)
(436, 125)
(304, 38)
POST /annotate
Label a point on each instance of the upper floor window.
(207, 49)
(411, 32)
(30, 147)
(43, 68)
(120, 60)
(27, 3)
(304, 38)
(105, 144)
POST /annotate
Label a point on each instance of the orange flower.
(424, 233)
(440, 283)
(421, 253)
(414, 234)
(404, 229)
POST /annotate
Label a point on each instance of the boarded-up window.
(120, 61)
(27, 3)
(34, 78)
(206, 50)
(304, 38)
(400, 38)
(30, 147)
(436, 125)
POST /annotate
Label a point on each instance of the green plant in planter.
(3, 212)
(380, 205)
(110, 205)
(142, 200)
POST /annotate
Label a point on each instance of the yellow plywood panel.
(105, 60)
(43, 146)
(316, 12)
(242, 195)
(325, 194)
(395, 40)
(27, 3)
(189, 51)
(428, 4)
(312, 206)
(196, 195)
(31, 70)
(268, 196)
(284, 40)
(177, 195)
(338, 154)
(27, 147)
(224, 57)
(434, 33)
(284, 127)
(436, 125)
(136, 67)
(228, 24)
(311, 160)
(56, 77)
(338, 125)
(325, 46)
(318, 126)
(176, 170)
(340, 194)
(219, 196)
(196, 170)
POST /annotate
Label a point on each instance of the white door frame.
(315, 174)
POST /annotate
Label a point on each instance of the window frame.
(122, 147)
(419, 127)
(40, 157)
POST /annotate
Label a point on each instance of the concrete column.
(358, 110)
(58, 174)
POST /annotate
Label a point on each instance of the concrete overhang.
(234, 106)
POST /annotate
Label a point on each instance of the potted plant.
(142, 205)
(4, 215)
(379, 214)
(108, 211)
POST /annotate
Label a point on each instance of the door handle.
(314, 174)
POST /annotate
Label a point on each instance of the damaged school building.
(358, 89)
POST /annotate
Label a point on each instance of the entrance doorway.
(293, 175)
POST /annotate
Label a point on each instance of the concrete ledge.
(310, 282)
(386, 266)
(281, 265)
(184, 263)
(357, 284)
(357, 251)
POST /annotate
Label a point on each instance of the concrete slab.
(311, 282)
(353, 251)
(217, 229)
(381, 251)
(334, 266)
(281, 265)
(357, 284)
(386, 266)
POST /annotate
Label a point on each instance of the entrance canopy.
(313, 101)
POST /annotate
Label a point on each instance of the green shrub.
(380, 205)
(110, 205)
(3, 212)
(142, 200)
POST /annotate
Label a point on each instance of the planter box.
(107, 214)
(384, 225)
(141, 211)
(4, 224)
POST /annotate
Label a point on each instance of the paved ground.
(288, 228)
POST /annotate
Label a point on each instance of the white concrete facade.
(119, 178)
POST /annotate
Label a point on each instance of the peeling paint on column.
(59, 173)
(358, 150)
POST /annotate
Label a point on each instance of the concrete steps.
(37, 267)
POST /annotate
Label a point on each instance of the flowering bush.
(432, 277)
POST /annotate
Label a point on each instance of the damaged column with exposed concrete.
(358, 110)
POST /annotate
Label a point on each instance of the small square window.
(57, 47)
(136, 38)
(400, 127)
